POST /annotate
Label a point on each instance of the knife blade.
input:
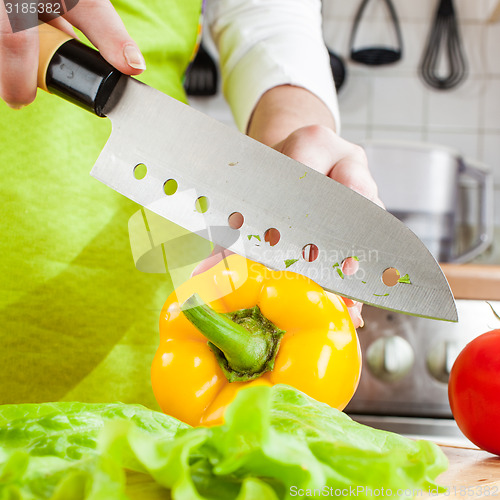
(219, 172)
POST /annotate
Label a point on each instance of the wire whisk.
(444, 51)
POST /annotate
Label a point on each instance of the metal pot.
(434, 192)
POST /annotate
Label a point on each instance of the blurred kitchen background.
(435, 154)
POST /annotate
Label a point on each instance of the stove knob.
(441, 358)
(390, 358)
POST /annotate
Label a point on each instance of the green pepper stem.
(244, 342)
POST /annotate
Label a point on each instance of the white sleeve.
(266, 43)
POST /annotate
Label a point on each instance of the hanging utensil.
(338, 69)
(444, 48)
(377, 55)
(202, 76)
(336, 64)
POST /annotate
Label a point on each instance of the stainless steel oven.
(406, 365)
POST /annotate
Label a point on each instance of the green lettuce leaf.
(275, 442)
(49, 450)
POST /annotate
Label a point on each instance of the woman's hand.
(97, 19)
(320, 148)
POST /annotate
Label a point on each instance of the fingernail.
(134, 57)
(357, 321)
(360, 318)
(16, 106)
(356, 317)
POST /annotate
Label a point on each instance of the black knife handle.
(74, 71)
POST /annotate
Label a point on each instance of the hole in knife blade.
(235, 220)
(390, 276)
(170, 187)
(272, 236)
(140, 171)
(201, 204)
(349, 266)
(310, 252)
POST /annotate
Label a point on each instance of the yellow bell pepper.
(297, 335)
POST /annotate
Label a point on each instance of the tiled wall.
(392, 102)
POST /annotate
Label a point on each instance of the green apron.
(78, 321)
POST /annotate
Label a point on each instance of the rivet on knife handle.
(74, 71)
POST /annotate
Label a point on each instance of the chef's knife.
(222, 178)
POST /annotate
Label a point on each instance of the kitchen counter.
(473, 281)
(472, 473)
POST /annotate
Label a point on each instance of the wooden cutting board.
(472, 474)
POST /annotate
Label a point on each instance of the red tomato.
(474, 391)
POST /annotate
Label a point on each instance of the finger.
(323, 150)
(18, 63)
(354, 173)
(350, 266)
(354, 309)
(101, 24)
(311, 146)
(218, 253)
